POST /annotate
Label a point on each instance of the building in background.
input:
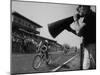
(26, 35)
(19, 22)
(23, 29)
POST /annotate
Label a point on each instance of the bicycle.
(41, 57)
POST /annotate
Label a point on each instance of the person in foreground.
(84, 25)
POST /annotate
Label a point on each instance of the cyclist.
(43, 49)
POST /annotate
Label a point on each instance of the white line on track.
(63, 64)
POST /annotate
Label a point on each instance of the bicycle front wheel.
(37, 61)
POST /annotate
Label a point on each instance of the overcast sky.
(44, 13)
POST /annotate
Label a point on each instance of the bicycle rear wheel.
(37, 61)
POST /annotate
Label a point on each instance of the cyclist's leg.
(47, 54)
(47, 57)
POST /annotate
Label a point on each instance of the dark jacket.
(89, 30)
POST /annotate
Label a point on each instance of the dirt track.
(22, 63)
